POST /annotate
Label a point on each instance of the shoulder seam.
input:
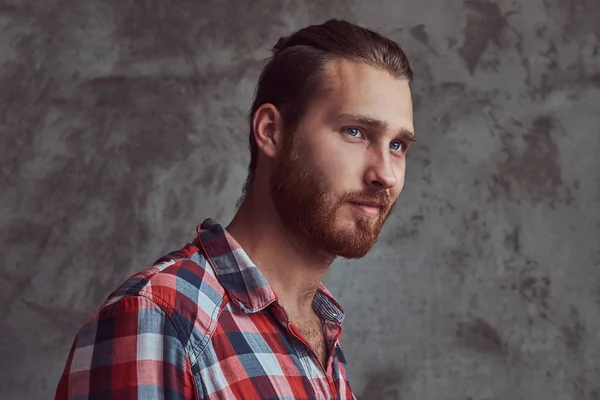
(162, 308)
(196, 350)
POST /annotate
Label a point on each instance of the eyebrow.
(404, 133)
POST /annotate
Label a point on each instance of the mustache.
(381, 197)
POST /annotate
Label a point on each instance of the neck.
(293, 270)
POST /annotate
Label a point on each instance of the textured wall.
(122, 127)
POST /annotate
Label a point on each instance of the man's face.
(337, 177)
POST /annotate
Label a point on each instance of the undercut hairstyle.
(295, 75)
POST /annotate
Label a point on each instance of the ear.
(267, 129)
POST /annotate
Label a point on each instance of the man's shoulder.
(183, 284)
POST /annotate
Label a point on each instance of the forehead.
(358, 88)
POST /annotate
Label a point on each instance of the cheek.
(345, 170)
(397, 190)
(400, 172)
(338, 162)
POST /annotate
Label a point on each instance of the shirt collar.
(245, 284)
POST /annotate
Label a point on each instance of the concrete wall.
(122, 126)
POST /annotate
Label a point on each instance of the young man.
(241, 313)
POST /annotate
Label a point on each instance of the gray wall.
(122, 126)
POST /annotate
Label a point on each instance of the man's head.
(330, 126)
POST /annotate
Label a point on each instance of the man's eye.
(354, 132)
(397, 146)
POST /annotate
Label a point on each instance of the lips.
(369, 209)
(368, 203)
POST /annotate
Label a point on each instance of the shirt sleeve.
(130, 349)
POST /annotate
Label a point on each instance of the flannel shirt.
(203, 323)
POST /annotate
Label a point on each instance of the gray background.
(122, 126)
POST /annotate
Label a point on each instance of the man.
(241, 313)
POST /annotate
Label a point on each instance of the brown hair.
(295, 73)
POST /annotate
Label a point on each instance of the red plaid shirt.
(202, 323)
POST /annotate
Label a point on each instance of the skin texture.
(302, 210)
(338, 157)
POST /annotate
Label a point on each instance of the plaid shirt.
(203, 323)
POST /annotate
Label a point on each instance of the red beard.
(303, 200)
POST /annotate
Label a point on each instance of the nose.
(380, 172)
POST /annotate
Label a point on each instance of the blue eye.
(396, 146)
(354, 132)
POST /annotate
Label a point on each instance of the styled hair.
(295, 74)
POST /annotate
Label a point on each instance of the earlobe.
(266, 127)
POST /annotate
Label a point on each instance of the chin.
(350, 240)
(354, 253)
